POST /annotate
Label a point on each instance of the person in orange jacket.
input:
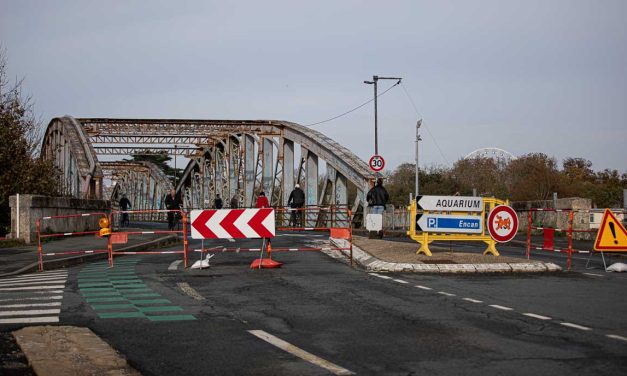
(262, 201)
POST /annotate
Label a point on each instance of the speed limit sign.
(376, 163)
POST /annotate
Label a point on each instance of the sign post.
(376, 163)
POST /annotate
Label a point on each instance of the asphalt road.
(170, 321)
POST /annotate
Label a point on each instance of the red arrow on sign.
(201, 220)
(232, 223)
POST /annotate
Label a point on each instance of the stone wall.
(33, 207)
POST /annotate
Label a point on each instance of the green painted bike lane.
(116, 293)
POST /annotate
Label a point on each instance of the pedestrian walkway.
(118, 293)
(32, 298)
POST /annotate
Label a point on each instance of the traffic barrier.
(121, 237)
(336, 219)
(67, 222)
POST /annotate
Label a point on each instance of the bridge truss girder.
(227, 157)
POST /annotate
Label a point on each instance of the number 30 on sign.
(376, 163)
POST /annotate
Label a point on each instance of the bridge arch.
(226, 157)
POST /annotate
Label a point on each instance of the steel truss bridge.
(232, 158)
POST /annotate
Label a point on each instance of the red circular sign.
(376, 163)
(503, 223)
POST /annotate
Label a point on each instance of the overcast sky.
(525, 76)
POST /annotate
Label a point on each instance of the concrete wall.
(33, 207)
(581, 219)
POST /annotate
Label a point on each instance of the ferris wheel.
(502, 157)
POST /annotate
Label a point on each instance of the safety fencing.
(552, 224)
(53, 226)
(177, 225)
(333, 219)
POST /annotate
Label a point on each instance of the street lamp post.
(374, 81)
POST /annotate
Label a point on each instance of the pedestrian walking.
(377, 197)
(172, 202)
(234, 202)
(296, 202)
(217, 203)
(125, 204)
(262, 200)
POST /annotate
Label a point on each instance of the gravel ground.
(13, 362)
(406, 253)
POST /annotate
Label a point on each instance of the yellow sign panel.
(612, 235)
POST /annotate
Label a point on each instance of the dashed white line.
(540, 317)
(445, 293)
(473, 300)
(424, 287)
(50, 304)
(503, 308)
(400, 281)
(33, 282)
(309, 357)
(615, 336)
(594, 275)
(575, 326)
(174, 265)
(380, 276)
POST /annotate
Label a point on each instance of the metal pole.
(375, 79)
(175, 166)
(418, 124)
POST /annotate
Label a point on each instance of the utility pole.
(418, 139)
(374, 81)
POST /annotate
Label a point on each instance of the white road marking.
(473, 300)
(29, 283)
(380, 276)
(575, 326)
(33, 288)
(32, 313)
(614, 336)
(174, 265)
(30, 320)
(537, 316)
(34, 277)
(501, 307)
(285, 346)
(231, 240)
(50, 304)
(399, 281)
(445, 293)
(54, 297)
(424, 287)
(594, 275)
(189, 290)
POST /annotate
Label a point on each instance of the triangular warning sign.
(612, 235)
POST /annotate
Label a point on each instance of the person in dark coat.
(296, 202)
(217, 203)
(234, 202)
(377, 197)
(125, 204)
(172, 202)
(262, 201)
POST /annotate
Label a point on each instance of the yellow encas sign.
(612, 235)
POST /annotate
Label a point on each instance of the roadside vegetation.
(531, 177)
(21, 169)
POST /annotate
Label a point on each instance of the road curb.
(373, 264)
(75, 260)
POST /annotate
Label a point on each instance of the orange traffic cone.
(268, 262)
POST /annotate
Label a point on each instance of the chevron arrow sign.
(232, 223)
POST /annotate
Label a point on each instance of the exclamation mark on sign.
(613, 232)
